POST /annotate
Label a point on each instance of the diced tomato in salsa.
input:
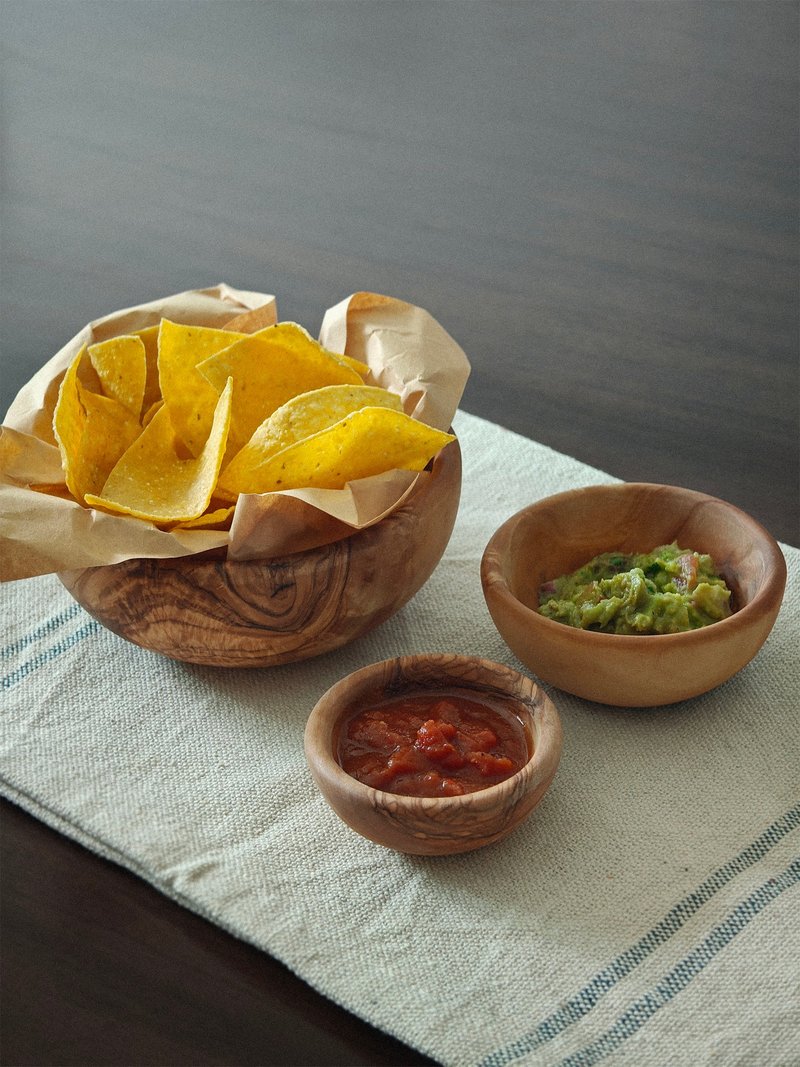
(433, 745)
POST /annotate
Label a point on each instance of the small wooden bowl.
(259, 613)
(434, 826)
(557, 535)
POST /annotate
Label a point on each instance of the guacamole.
(666, 591)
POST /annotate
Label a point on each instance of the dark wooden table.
(599, 201)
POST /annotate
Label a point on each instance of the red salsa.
(433, 745)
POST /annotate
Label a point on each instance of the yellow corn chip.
(92, 432)
(369, 441)
(69, 423)
(150, 412)
(361, 369)
(152, 482)
(271, 410)
(189, 397)
(297, 419)
(268, 368)
(121, 365)
(149, 338)
(218, 519)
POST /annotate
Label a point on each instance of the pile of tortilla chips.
(171, 423)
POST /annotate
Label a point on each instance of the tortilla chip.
(268, 368)
(297, 419)
(217, 519)
(361, 369)
(151, 481)
(189, 397)
(369, 441)
(149, 338)
(91, 431)
(121, 366)
(150, 412)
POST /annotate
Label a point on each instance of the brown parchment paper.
(406, 350)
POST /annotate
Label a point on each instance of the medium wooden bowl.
(259, 613)
(434, 826)
(557, 535)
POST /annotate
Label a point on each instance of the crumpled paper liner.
(406, 350)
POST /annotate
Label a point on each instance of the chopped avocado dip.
(666, 591)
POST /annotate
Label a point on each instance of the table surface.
(599, 202)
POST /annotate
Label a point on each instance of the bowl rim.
(497, 547)
(539, 702)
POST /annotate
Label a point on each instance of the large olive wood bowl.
(261, 613)
(560, 533)
(434, 826)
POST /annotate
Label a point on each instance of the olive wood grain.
(434, 826)
(561, 533)
(260, 613)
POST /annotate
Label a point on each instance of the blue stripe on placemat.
(49, 654)
(41, 631)
(681, 975)
(581, 1004)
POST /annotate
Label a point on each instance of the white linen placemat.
(646, 914)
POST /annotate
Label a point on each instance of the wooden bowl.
(434, 826)
(259, 613)
(557, 535)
